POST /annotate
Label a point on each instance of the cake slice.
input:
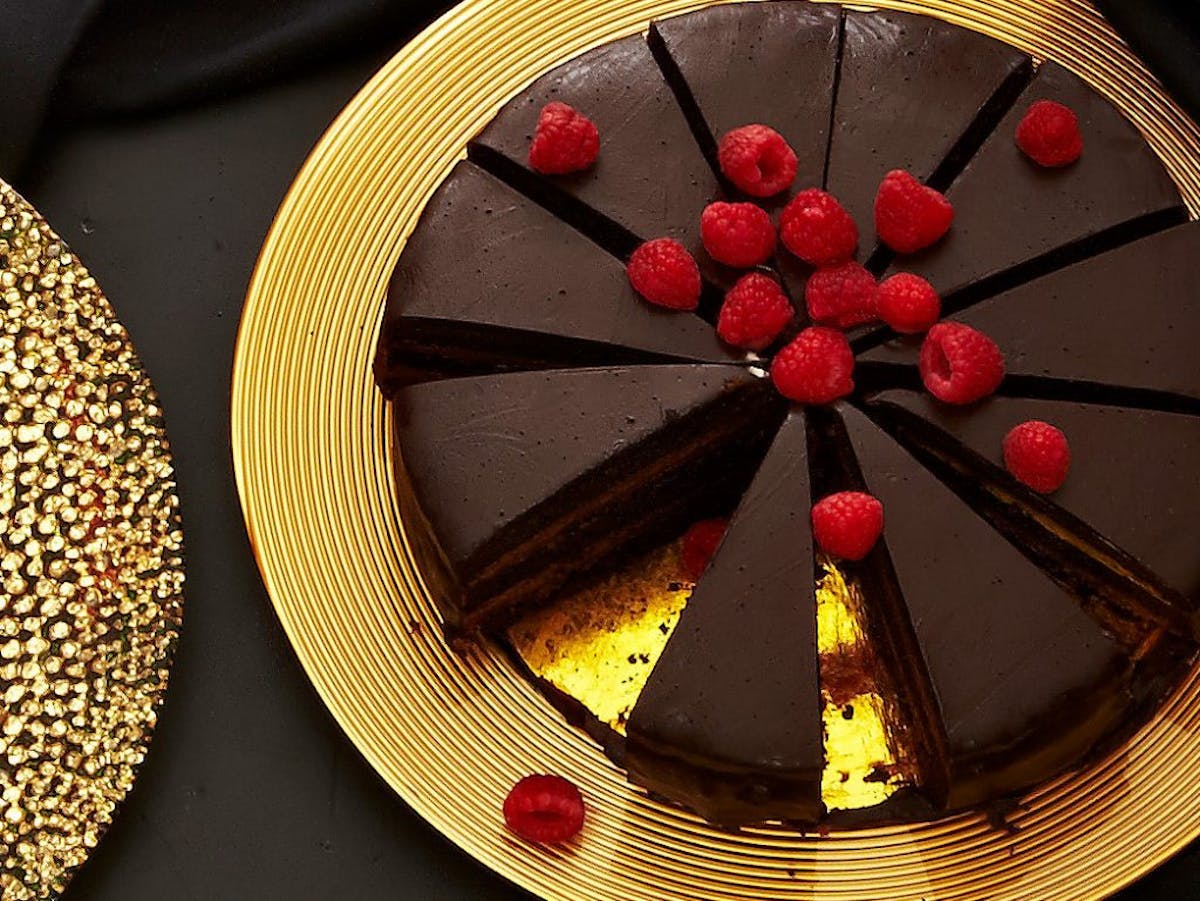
(1025, 682)
(513, 484)
(716, 58)
(913, 93)
(650, 179)
(489, 280)
(730, 719)
(1117, 319)
(1014, 219)
(1131, 494)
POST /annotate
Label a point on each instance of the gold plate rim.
(450, 734)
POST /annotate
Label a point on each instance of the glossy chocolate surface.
(736, 691)
(1009, 211)
(1132, 477)
(1013, 660)
(909, 91)
(491, 280)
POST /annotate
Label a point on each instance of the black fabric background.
(159, 139)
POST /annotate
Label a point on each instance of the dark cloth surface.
(159, 139)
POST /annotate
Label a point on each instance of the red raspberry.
(754, 312)
(816, 228)
(842, 296)
(908, 303)
(909, 215)
(1037, 455)
(737, 234)
(699, 544)
(664, 273)
(565, 141)
(544, 809)
(847, 524)
(960, 365)
(1049, 134)
(757, 160)
(815, 368)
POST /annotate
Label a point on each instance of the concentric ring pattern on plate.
(452, 733)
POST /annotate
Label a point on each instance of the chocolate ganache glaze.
(466, 297)
(549, 423)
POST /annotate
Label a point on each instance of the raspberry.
(960, 365)
(664, 273)
(816, 228)
(842, 296)
(909, 215)
(757, 160)
(544, 809)
(908, 303)
(815, 368)
(565, 141)
(754, 312)
(737, 234)
(847, 524)
(700, 543)
(1037, 455)
(1049, 134)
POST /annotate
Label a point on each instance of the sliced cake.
(1116, 320)
(913, 93)
(1014, 219)
(649, 181)
(716, 59)
(1025, 682)
(730, 719)
(513, 484)
(1131, 492)
(466, 297)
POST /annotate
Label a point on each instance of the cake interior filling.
(652, 490)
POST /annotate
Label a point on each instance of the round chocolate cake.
(551, 425)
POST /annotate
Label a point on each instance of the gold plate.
(91, 568)
(451, 734)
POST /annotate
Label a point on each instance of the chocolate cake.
(549, 423)
(514, 483)
(1013, 220)
(1087, 347)
(445, 319)
(652, 179)
(913, 93)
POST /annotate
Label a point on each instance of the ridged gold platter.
(452, 733)
(91, 559)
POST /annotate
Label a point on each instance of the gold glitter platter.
(91, 564)
(451, 733)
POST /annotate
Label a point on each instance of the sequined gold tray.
(91, 562)
(451, 733)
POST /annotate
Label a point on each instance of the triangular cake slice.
(716, 58)
(1014, 219)
(1117, 319)
(1025, 682)
(490, 280)
(913, 93)
(1131, 491)
(513, 484)
(730, 718)
(650, 179)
